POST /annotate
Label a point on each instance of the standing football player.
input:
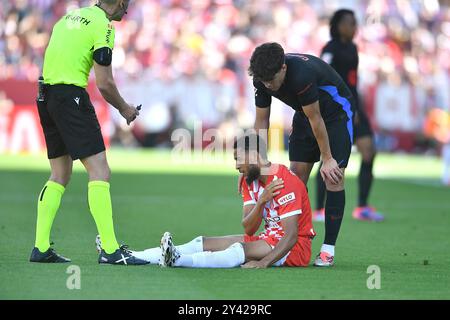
(342, 54)
(322, 127)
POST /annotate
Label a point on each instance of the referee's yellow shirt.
(75, 37)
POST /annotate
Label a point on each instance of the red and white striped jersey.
(292, 200)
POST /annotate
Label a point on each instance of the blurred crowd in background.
(186, 61)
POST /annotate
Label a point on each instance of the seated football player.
(271, 193)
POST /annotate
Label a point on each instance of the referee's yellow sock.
(48, 204)
(99, 200)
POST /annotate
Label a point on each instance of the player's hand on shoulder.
(129, 112)
(272, 190)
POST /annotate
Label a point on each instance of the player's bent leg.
(220, 243)
(233, 256)
(302, 170)
(48, 204)
(299, 255)
(334, 212)
(330, 186)
(340, 136)
(196, 245)
(256, 250)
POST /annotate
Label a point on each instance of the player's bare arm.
(106, 85)
(330, 169)
(261, 126)
(290, 227)
(262, 122)
(253, 213)
(252, 217)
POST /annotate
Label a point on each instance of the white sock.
(185, 260)
(194, 246)
(328, 249)
(231, 257)
(153, 255)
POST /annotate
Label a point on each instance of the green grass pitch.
(152, 195)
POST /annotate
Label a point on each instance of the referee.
(81, 39)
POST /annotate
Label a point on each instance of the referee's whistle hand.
(129, 113)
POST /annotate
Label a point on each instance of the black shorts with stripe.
(303, 145)
(69, 123)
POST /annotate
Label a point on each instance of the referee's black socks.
(334, 212)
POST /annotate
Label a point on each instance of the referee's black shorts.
(69, 123)
(303, 145)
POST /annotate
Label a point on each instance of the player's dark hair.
(267, 59)
(336, 19)
(251, 142)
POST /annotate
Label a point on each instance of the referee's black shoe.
(121, 256)
(49, 256)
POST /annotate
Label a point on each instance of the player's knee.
(246, 249)
(334, 187)
(237, 246)
(368, 155)
(61, 177)
(367, 150)
(239, 255)
(64, 181)
(100, 173)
